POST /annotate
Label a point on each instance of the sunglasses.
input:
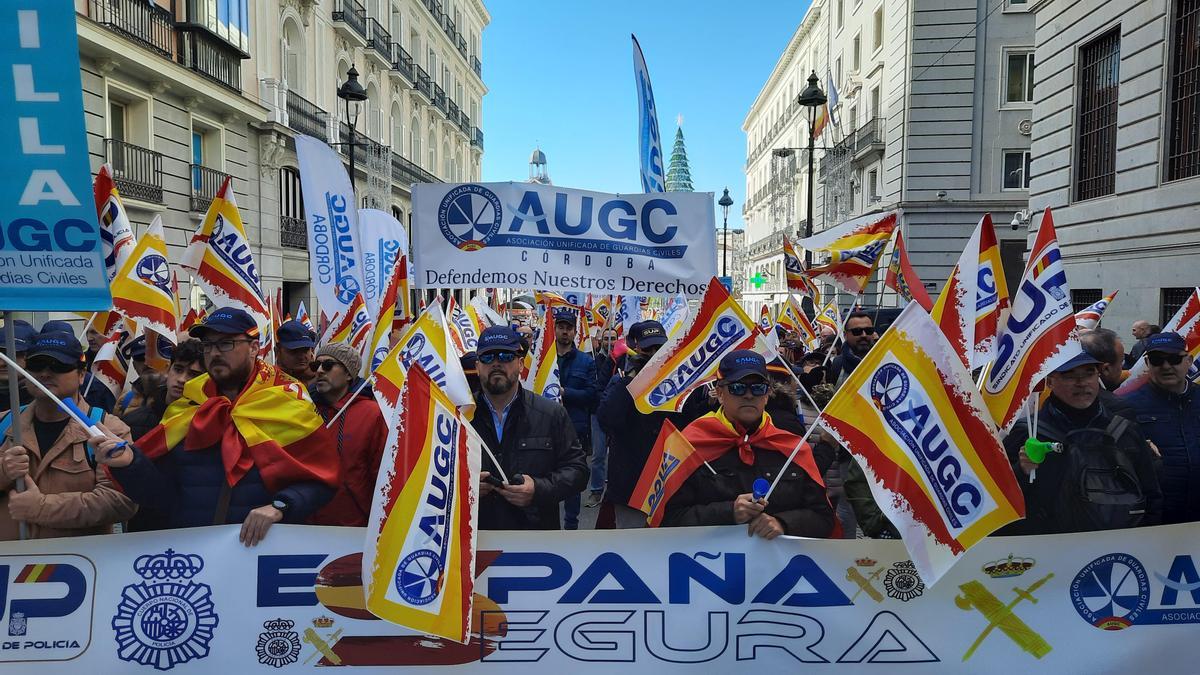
(740, 388)
(317, 366)
(857, 332)
(53, 365)
(492, 357)
(1159, 358)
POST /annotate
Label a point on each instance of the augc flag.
(418, 560)
(974, 298)
(671, 461)
(116, 234)
(793, 318)
(1089, 317)
(690, 359)
(1037, 335)
(854, 247)
(902, 278)
(354, 326)
(426, 342)
(542, 378)
(1185, 322)
(797, 280)
(221, 260)
(382, 330)
(830, 316)
(912, 417)
(142, 289)
(464, 329)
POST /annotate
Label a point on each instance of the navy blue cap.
(499, 339)
(564, 314)
(62, 346)
(469, 363)
(650, 334)
(295, 335)
(57, 326)
(227, 320)
(1172, 343)
(740, 364)
(632, 333)
(23, 335)
(136, 349)
(1081, 359)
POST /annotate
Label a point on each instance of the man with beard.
(532, 437)
(244, 444)
(857, 339)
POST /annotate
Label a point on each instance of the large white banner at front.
(641, 601)
(524, 235)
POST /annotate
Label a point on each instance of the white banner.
(383, 240)
(642, 601)
(335, 258)
(523, 235)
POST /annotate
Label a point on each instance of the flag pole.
(792, 456)
(357, 391)
(66, 405)
(14, 405)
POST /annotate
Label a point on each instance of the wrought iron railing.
(379, 39)
(869, 134)
(406, 172)
(464, 124)
(305, 117)
(439, 98)
(424, 84)
(477, 66)
(206, 183)
(211, 57)
(353, 14)
(478, 138)
(452, 113)
(138, 20)
(137, 171)
(403, 62)
(293, 232)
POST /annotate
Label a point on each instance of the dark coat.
(540, 444)
(98, 395)
(147, 416)
(577, 375)
(1172, 422)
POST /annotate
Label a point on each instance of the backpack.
(1100, 489)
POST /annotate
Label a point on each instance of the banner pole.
(357, 391)
(792, 456)
(14, 404)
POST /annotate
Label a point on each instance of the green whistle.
(1037, 450)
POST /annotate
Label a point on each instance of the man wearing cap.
(94, 392)
(294, 344)
(858, 337)
(244, 443)
(24, 335)
(741, 445)
(531, 436)
(1168, 411)
(360, 433)
(64, 496)
(577, 376)
(1074, 417)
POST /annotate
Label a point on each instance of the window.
(398, 214)
(431, 165)
(291, 197)
(197, 157)
(873, 186)
(837, 70)
(1082, 298)
(841, 13)
(293, 57)
(414, 140)
(1096, 123)
(117, 128)
(875, 102)
(856, 59)
(1016, 170)
(877, 43)
(227, 19)
(853, 117)
(1183, 106)
(432, 63)
(1018, 78)
(1172, 300)
(397, 129)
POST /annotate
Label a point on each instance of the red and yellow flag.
(793, 318)
(902, 278)
(426, 342)
(464, 327)
(142, 289)
(220, 258)
(797, 280)
(116, 233)
(855, 248)
(354, 326)
(974, 298)
(389, 306)
(671, 461)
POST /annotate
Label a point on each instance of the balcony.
(380, 42)
(350, 19)
(206, 183)
(477, 141)
(403, 63)
(439, 98)
(462, 46)
(305, 117)
(836, 157)
(293, 233)
(407, 173)
(145, 23)
(137, 171)
(424, 84)
(477, 66)
(464, 124)
(868, 139)
(456, 38)
(453, 113)
(211, 57)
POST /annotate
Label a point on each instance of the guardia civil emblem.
(167, 619)
(278, 645)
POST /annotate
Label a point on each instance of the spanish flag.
(542, 378)
(820, 122)
(855, 248)
(671, 461)
(382, 331)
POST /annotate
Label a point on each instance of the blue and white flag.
(649, 142)
(834, 115)
(382, 241)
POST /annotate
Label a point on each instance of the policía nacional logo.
(278, 645)
(469, 216)
(168, 619)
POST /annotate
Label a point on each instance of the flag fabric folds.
(797, 280)
(902, 278)
(352, 327)
(142, 288)
(793, 318)
(542, 378)
(221, 260)
(650, 152)
(1089, 317)
(676, 314)
(426, 342)
(418, 563)
(973, 301)
(854, 247)
(464, 329)
(110, 367)
(830, 316)
(1037, 335)
(381, 332)
(911, 416)
(116, 233)
(670, 463)
(303, 317)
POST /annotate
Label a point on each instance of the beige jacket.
(76, 499)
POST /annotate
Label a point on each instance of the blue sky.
(560, 74)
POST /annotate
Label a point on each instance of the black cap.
(632, 333)
(469, 363)
(23, 334)
(1081, 359)
(57, 326)
(1172, 343)
(740, 364)
(564, 315)
(295, 335)
(136, 349)
(499, 339)
(62, 346)
(650, 334)
(227, 320)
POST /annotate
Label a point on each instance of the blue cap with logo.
(62, 346)
(227, 320)
(58, 326)
(1081, 359)
(650, 333)
(295, 335)
(740, 364)
(1172, 343)
(23, 334)
(499, 339)
(564, 315)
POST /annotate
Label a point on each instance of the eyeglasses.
(1083, 377)
(857, 332)
(53, 365)
(1159, 358)
(740, 388)
(222, 346)
(492, 357)
(327, 366)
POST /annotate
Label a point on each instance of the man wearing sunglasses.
(360, 433)
(858, 338)
(1168, 412)
(64, 495)
(531, 436)
(742, 444)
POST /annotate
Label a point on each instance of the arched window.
(373, 111)
(414, 140)
(431, 163)
(447, 163)
(398, 214)
(397, 129)
(293, 56)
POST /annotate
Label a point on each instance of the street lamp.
(812, 98)
(352, 92)
(725, 202)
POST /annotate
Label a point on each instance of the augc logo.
(469, 216)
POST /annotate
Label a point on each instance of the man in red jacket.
(360, 432)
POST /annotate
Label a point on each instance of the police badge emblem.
(167, 619)
(278, 645)
(902, 581)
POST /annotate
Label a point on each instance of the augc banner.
(383, 242)
(523, 235)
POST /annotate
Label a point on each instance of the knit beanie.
(344, 354)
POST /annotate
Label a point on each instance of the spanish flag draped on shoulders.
(678, 489)
(213, 460)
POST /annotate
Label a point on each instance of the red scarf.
(714, 435)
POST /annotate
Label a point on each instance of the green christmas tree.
(679, 175)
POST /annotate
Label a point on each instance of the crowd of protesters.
(220, 436)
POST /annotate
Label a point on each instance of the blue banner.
(649, 142)
(50, 252)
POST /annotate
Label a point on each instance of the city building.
(180, 94)
(731, 256)
(539, 170)
(1116, 148)
(932, 116)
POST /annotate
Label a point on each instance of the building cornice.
(807, 25)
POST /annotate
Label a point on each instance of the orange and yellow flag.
(220, 258)
(671, 461)
(142, 289)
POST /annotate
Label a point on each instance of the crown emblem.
(279, 624)
(322, 621)
(1012, 567)
(865, 562)
(168, 565)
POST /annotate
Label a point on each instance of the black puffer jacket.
(539, 443)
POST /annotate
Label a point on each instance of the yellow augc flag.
(793, 318)
(220, 258)
(690, 358)
(854, 249)
(418, 564)
(142, 288)
(542, 378)
(425, 342)
(915, 422)
(671, 461)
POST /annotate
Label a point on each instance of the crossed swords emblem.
(999, 615)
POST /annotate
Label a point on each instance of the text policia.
(539, 279)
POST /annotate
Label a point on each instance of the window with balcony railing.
(379, 39)
(353, 14)
(292, 230)
(137, 171)
(211, 57)
(146, 23)
(305, 117)
(206, 182)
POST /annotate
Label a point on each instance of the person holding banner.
(294, 345)
(531, 436)
(742, 445)
(577, 376)
(64, 496)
